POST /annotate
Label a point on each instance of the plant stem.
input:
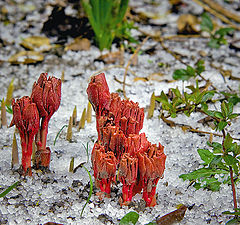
(233, 189)
(231, 175)
(44, 132)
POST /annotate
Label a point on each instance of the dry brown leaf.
(26, 57)
(79, 44)
(111, 57)
(36, 43)
(188, 24)
(172, 217)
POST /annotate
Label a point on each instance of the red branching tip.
(114, 140)
(128, 171)
(104, 167)
(151, 168)
(127, 115)
(26, 119)
(98, 93)
(46, 93)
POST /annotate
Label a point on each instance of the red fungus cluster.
(27, 114)
(120, 146)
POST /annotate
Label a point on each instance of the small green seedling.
(217, 38)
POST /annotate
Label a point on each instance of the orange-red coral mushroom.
(26, 119)
(46, 93)
(120, 146)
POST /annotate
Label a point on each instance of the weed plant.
(221, 161)
(105, 17)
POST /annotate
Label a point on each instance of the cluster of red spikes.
(121, 148)
(31, 116)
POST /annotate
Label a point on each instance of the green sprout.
(217, 38)
(105, 16)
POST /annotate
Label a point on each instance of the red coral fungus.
(128, 171)
(104, 166)
(46, 93)
(120, 146)
(26, 119)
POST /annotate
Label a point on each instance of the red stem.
(43, 133)
(231, 176)
(233, 188)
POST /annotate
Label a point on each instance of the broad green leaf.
(232, 116)
(206, 23)
(224, 31)
(206, 155)
(217, 163)
(224, 109)
(163, 98)
(227, 142)
(202, 172)
(129, 218)
(182, 74)
(230, 107)
(230, 160)
(222, 125)
(216, 145)
(191, 71)
(218, 115)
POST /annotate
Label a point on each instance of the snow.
(59, 196)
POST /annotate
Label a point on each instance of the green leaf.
(227, 142)
(206, 23)
(212, 184)
(182, 74)
(129, 218)
(191, 71)
(206, 155)
(200, 66)
(202, 172)
(232, 116)
(176, 92)
(233, 221)
(197, 185)
(9, 189)
(230, 107)
(230, 160)
(163, 98)
(218, 115)
(207, 96)
(222, 125)
(214, 43)
(216, 163)
(224, 109)
(224, 31)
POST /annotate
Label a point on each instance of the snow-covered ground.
(59, 196)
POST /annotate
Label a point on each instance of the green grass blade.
(86, 149)
(55, 140)
(8, 189)
(90, 192)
